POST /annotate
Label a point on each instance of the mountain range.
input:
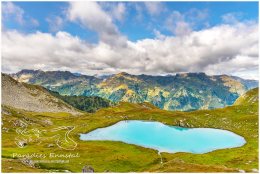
(184, 92)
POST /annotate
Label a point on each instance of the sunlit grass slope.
(242, 118)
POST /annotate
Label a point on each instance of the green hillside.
(85, 103)
(249, 98)
(111, 156)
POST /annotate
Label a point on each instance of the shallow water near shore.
(166, 138)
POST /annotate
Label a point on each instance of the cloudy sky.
(135, 37)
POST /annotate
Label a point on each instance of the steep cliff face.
(31, 98)
(186, 91)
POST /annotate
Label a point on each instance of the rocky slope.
(249, 98)
(186, 91)
(31, 97)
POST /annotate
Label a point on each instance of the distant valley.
(184, 92)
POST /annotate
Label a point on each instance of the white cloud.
(55, 23)
(92, 16)
(182, 28)
(117, 11)
(159, 35)
(197, 15)
(40, 49)
(9, 10)
(177, 25)
(34, 22)
(12, 12)
(232, 18)
(239, 65)
(154, 8)
(139, 11)
(182, 24)
(223, 49)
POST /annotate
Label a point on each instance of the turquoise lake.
(166, 138)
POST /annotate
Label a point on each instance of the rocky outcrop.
(87, 169)
(31, 97)
(183, 123)
(28, 162)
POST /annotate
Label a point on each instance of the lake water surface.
(166, 138)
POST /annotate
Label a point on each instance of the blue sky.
(132, 27)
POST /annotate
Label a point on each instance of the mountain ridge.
(31, 97)
(183, 91)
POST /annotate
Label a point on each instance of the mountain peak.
(123, 74)
(29, 71)
(191, 74)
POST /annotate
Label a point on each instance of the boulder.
(21, 143)
(50, 145)
(241, 171)
(87, 169)
(47, 122)
(28, 162)
(254, 170)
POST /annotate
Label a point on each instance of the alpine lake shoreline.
(111, 156)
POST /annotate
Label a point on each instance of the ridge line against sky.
(29, 71)
(134, 37)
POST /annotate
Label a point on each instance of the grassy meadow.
(43, 138)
